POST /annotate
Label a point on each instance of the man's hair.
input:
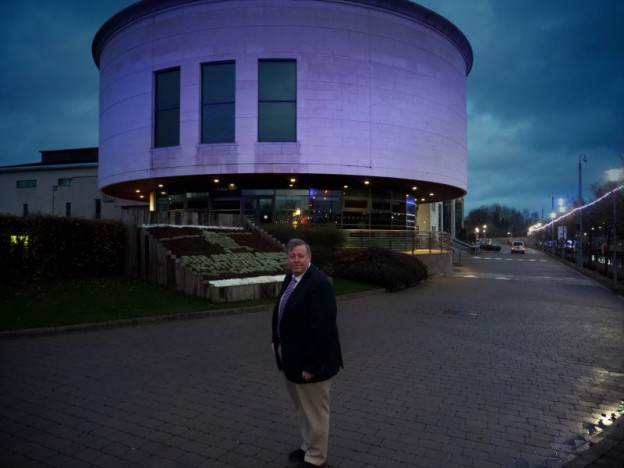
(292, 243)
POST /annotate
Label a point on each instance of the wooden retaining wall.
(147, 258)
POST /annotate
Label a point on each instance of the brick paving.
(503, 364)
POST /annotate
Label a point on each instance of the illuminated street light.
(553, 215)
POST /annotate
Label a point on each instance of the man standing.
(307, 349)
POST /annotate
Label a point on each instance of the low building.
(64, 183)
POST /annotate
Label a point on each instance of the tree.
(500, 220)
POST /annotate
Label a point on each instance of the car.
(517, 247)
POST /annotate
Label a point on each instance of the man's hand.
(307, 376)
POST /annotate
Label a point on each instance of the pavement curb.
(606, 451)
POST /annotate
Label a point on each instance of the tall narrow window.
(25, 209)
(277, 100)
(167, 109)
(218, 102)
(67, 209)
(98, 208)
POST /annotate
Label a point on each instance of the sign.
(562, 232)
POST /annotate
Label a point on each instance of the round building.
(350, 112)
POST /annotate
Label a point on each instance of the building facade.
(350, 112)
(64, 183)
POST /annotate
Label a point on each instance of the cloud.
(48, 90)
(547, 85)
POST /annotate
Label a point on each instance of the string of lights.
(556, 220)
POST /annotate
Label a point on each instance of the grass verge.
(87, 300)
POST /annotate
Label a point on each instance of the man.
(307, 349)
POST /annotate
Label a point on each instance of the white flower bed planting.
(236, 264)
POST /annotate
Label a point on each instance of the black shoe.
(297, 455)
(305, 464)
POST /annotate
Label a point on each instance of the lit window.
(218, 102)
(277, 100)
(167, 109)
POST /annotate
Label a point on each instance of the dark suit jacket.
(308, 339)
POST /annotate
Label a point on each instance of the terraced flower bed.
(222, 253)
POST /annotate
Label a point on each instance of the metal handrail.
(399, 240)
(472, 249)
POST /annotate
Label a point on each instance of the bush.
(492, 248)
(37, 247)
(383, 267)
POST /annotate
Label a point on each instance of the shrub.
(376, 265)
(492, 248)
(37, 247)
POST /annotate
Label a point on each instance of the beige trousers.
(312, 404)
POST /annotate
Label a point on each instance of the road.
(511, 361)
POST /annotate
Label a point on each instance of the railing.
(181, 218)
(594, 258)
(400, 241)
(472, 249)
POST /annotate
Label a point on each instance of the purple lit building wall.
(379, 121)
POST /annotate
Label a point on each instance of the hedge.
(36, 247)
(383, 267)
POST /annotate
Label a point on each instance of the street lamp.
(579, 259)
(553, 215)
(562, 232)
(476, 235)
(614, 175)
(484, 236)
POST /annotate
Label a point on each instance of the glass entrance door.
(259, 209)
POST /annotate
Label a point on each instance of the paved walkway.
(458, 372)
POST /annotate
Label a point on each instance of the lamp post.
(553, 215)
(476, 235)
(562, 231)
(614, 175)
(54, 190)
(484, 236)
(579, 259)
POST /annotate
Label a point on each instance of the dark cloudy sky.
(547, 85)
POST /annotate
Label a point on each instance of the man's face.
(298, 260)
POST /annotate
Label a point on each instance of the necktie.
(284, 300)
